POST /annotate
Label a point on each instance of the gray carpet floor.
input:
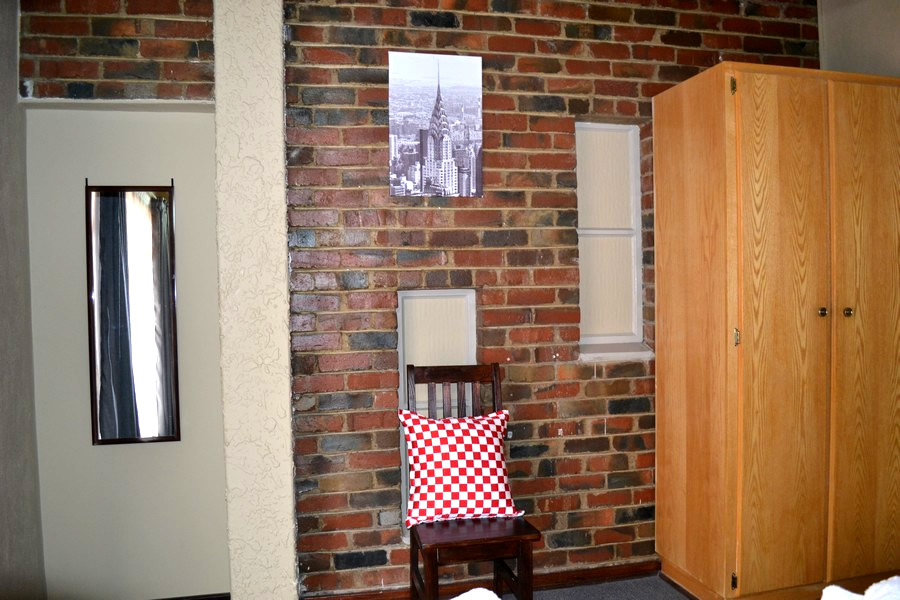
(640, 588)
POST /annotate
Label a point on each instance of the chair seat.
(474, 531)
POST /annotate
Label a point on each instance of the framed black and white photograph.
(435, 135)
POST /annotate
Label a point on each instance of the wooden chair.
(467, 540)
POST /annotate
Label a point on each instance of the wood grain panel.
(782, 141)
(692, 195)
(865, 416)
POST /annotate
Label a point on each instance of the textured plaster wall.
(21, 558)
(860, 36)
(135, 520)
(252, 236)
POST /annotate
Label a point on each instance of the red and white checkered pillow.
(456, 468)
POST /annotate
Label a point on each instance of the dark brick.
(298, 117)
(528, 451)
(629, 443)
(677, 72)
(542, 104)
(108, 47)
(373, 340)
(444, 19)
(419, 257)
(363, 76)
(654, 17)
(512, 6)
(526, 504)
(381, 498)
(762, 45)
(628, 369)
(305, 485)
(343, 401)
(569, 539)
(300, 156)
(579, 106)
(304, 238)
(596, 444)
(312, 563)
(328, 14)
(436, 279)
(638, 513)
(521, 431)
(353, 36)
(358, 560)
(327, 95)
(587, 31)
(341, 116)
(616, 481)
(567, 218)
(801, 48)
(629, 405)
(681, 38)
(609, 13)
(345, 442)
(461, 278)
(504, 237)
(79, 90)
(354, 280)
(388, 477)
(547, 468)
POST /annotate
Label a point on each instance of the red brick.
(343, 521)
(195, 30)
(58, 25)
(321, 541)
(319, 424)
(558, 503)
(309, 504)
(198, 8)
(376, 459)
(49, 46)
(371, 381)
(538, 28)
(69, 69)
(152, 7)
(563, 10)
(92, 7)
(165, 48)
(380, 16)
(28, 6)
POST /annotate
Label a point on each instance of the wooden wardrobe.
(778, 330)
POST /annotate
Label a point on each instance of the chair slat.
(461, 399)
(432, 401)
(448, 411)
(476, 399)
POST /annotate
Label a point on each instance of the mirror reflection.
(131, 305)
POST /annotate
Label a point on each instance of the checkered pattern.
(456, 468)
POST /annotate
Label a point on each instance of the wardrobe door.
(784, 281)
(865, 415)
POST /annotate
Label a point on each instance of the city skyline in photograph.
(435, 125)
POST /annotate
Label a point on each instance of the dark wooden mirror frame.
(173, 433)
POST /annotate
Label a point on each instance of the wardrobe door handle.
(823, 312)
(848, 312)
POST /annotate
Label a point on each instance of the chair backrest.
(475, 376)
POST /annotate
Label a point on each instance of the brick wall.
(115, 49)
(582, 455)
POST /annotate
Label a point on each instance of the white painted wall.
(21, 558)
(860, 36)
(133, 520)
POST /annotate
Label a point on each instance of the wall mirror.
(131, 314)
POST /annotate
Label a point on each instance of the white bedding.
(478, 594)
(889, 589)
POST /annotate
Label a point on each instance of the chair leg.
(524, 568)
(431, 574)
(498, 580)
(413, 566)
